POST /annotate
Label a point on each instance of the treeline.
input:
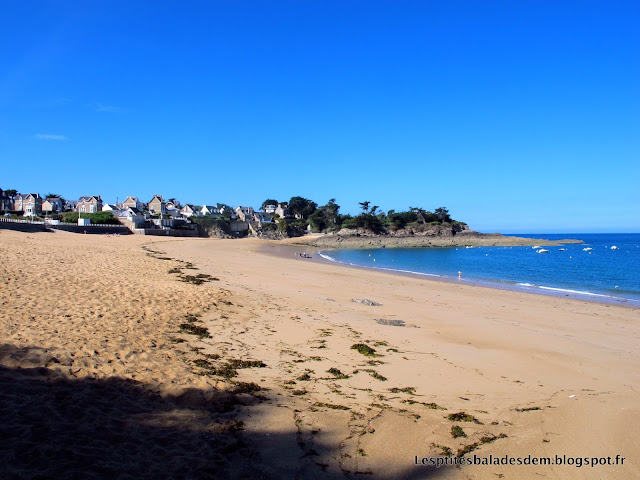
(301, 214)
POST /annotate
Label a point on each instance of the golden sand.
(98, 378)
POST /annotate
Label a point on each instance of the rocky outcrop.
(432, 236)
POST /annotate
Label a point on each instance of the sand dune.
(256, 373)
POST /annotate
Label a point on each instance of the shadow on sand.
(53, 427)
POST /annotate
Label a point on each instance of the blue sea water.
(601, 274)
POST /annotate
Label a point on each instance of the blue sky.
(517, 116)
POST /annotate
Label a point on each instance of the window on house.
(93, 208)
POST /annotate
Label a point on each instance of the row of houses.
(134, 210)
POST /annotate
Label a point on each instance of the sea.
(605, 268)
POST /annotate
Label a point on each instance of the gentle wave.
(327, 257)
(565, 290)
(408, 271)
(576, 292)
(331, 259)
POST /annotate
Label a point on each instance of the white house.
(210, 210)
(110, 207)
(189, 210)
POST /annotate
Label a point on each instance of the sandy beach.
(139, 357)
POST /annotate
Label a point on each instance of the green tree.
(325, 217)
(420, 214)
(301, 207)
(317, 221)
(10, 192)
(62, 199)
(442, 214)
(365, 206)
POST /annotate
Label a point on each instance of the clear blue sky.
(519, 116)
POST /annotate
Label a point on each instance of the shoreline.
(494, 284)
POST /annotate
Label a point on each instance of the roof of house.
(27, 195)
(159, 197)
(89, 198)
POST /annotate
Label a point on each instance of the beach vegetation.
(429, 405)
(246, 387)
(486, 439)
(364, 349)
(528, 409)
(377, 376)
(444, 450)
(337, 373)
(330, 405)
(463, 417)
(457, 432)
(409, 390)
(375, 362)
(200, 332)
(246, 363)
(373, 374)
(198, 279)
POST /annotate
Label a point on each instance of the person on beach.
(459, 274)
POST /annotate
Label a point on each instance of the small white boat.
(614, 248)
(535, 247)
(542, 250)
(588, 249)
(561, 249)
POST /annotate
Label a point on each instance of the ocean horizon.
(604, 268)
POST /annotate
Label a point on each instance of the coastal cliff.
(434, 236)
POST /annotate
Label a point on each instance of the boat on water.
(614, 247)
(542, 250)
(536, 247)
(587, 249)
(561, 249)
